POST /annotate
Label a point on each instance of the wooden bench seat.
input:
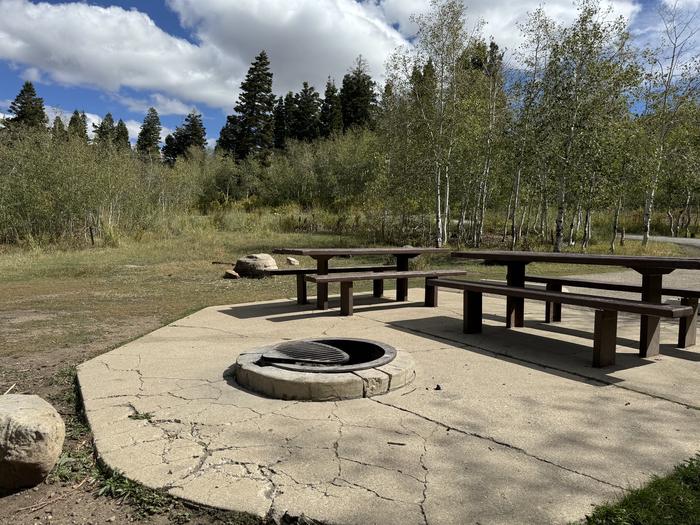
(606, 308)
(687, 327)
(302, 297)
(346, 281)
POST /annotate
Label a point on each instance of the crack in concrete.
(500, 443)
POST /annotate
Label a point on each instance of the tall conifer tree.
(251, 130)
(191, 136)
(104, 132)
(306, 112)
(77, 126)
(58, 130)
(331, 118)
(28, 109)
(121, 136)
(358, 96)
(147, 144)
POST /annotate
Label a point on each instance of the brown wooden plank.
(335, 252)
(337, 269)
(627, 261)
(603, 303)
(616, 287)
(369, 276)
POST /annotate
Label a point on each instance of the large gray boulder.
(31, 439)
(255, 265)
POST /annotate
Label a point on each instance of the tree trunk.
(508, 219)
(587, 230)
(671, 223)
(615, 225)
(516, 205)
(559, 231)
(438, 208)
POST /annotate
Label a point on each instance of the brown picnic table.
(323, 255)
(652, 270)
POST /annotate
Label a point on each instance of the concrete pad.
(509, 426)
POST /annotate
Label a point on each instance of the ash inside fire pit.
(324, 369)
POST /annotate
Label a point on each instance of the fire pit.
(324, 369)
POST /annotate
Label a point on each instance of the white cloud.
(81, 44)
(304, 39)
(111, 48)
(163, 104)
(114, 48)
(501, 17)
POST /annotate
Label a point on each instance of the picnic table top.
(332, 252)
(635, 262)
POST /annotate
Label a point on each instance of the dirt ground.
(58, 309)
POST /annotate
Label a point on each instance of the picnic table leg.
(431, 293)
(472, 312)
(401, 284)
(552, 311)
(322, 288)
(649, 333)
(515, 306)
(378, 287)
(688, 325)
(301, 289)
(346, 298)
(605, 338)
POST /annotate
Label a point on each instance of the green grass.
(668, 500)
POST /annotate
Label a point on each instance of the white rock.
(255, 265)
(31, 439)
(292, 261)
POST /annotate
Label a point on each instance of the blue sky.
(122, 56)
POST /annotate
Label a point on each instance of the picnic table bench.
(323, 255)
(346, 281)
(652, 270)
(606, 309)
(687, 328)
(302, 297)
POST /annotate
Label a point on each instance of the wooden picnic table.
(323, 255)
(652, 270)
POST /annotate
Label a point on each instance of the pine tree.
(121, 137)
(191, 136)
(251, 132)
(226, 143)
(331, 117)
(170, 150)
(192, 133)
(357, 96)
(28, 109)
(306, 114)
(77, 126)
(104, 132)
(58, 130)
(147, 144)
(280, 122)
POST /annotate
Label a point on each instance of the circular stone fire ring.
(324, 369)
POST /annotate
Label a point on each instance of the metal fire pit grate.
(327, 355)
(307, 353)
